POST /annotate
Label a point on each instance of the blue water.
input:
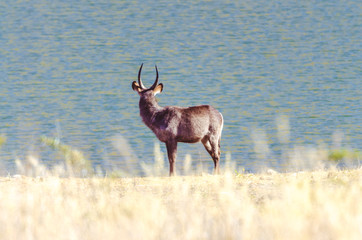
(66, 69)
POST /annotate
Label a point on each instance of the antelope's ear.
(158, 89)
(136, 87)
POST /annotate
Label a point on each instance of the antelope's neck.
(148, 109)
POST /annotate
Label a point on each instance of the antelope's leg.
(215, 145)
(171, 152)
(213, 148)
(206, 142)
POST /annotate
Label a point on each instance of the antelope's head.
(147, 92)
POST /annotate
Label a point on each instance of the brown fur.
(173, 124)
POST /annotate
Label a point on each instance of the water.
(66, 70)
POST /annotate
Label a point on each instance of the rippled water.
(66, 69)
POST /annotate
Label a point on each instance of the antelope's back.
(197, 122)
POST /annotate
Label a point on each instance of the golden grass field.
(301, 205)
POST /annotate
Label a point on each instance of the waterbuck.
(173, 124)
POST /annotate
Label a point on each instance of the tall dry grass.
(301, 205)
(56, 203)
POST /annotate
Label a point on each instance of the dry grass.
(319, 204)
(302, 205)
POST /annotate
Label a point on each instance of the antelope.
(172, 124)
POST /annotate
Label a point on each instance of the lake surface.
(66, 69)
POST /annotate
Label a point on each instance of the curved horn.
(139, 78)
(156, 81)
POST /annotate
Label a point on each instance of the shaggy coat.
(174, 124)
